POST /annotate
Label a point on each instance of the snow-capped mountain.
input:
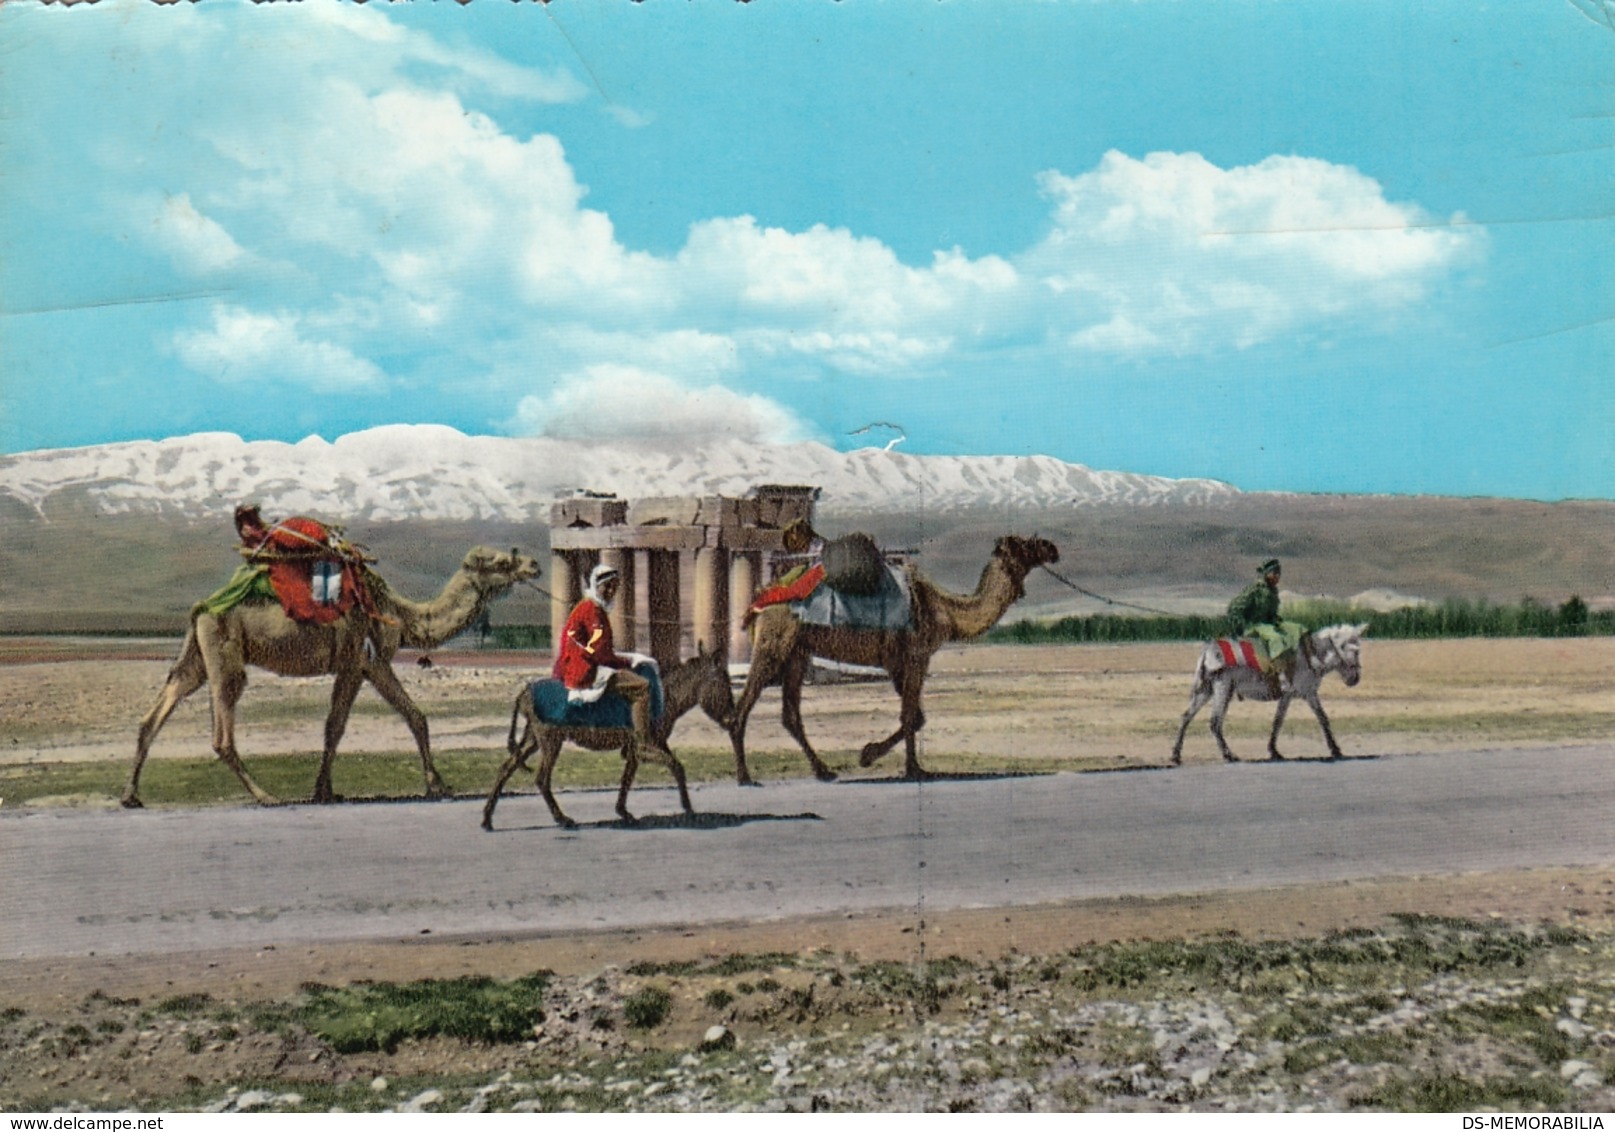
(400, 472)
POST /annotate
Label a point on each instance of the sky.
(1299, 245)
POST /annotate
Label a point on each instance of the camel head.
(495, 571)
(1025, 554)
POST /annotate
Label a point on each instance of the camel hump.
(853, 564)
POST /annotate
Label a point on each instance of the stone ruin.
(690, 565)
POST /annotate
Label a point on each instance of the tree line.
(1451, 618)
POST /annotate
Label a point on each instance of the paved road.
(115, 882)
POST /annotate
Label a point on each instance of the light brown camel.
(354, 648)
(783, 647)
(703, 680)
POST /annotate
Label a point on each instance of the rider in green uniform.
(1255, 613)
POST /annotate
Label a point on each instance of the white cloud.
(244, 345)
(623, 403)
(196, 243)
(1172, 251)
(402, 222)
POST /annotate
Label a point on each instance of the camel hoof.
(1230, 758)
(487, 825)
(752, 782)
(566, 823)
(870, 755)
(627, 818)
(131, 802)
(1274, 756)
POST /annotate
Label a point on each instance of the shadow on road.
(665, 821)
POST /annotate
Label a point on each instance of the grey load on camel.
(889, 607)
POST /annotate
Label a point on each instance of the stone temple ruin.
(690, 565)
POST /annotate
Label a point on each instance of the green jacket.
(1257, 604)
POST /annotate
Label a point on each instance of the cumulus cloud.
(196, 243)
(619, 403)
(1171, 251)
(390, 218)
(243, 345)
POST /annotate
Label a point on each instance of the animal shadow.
(706, 820)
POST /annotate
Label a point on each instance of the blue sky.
(1294, 245)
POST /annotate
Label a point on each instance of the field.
(1510, 949)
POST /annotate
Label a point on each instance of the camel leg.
(910, 720)
(1197, 700)
(1222, 696)
(1278, 722)
(791, 713)
(186, 677)
(227, 679)
(1323, 722)
(345, 691)
(385, 680)
(549, 746)
(763, 671)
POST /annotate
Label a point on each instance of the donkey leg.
(1197, 700)
(506, 769)
(1221, 697)
(1323, 722)
(668, 759)
(630, 768)
(1278, 722)
(550, 749)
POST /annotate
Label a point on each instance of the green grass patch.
(647, 1008)
(378, 1016)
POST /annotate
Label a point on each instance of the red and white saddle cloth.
(313, 570)
(1243, 652)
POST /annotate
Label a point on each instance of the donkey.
(703, 680)
(1335, 649)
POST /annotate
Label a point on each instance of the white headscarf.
(598, 575)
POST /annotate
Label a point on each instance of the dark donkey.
(703, 680)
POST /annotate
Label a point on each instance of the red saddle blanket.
(1242, 653)
(313, 573)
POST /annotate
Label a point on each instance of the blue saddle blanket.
(555, 707)
(887, 608)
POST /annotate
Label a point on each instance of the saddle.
(555, 707)
(888, 607)
(316, 574)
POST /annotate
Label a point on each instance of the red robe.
(586, 646)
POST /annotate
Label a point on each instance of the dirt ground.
(1104, 705)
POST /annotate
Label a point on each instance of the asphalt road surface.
(112, 882)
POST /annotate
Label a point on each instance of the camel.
(703, 680)
(1335, 649)
(354, 648)
(782, 649)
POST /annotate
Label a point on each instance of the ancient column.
(565, 589)
(623, 623)
(663, 583)
(744, 569)
(712, 598)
